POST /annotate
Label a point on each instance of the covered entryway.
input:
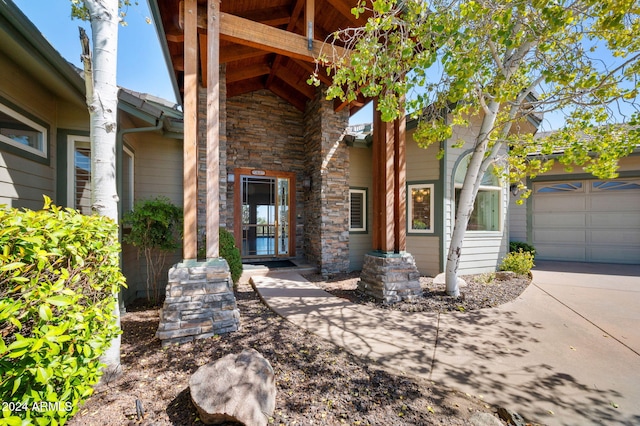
(587, 220)
(263, 201)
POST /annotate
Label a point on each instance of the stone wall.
(326, 235)
(200, 302)
(265, 132)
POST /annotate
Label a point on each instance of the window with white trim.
(79, 173)
(357, 210)
(486, 215)
(128, 167)
(21, 132)
(420, 208)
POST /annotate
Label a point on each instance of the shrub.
(156, 227)
(59, 274)
(229, 252)
(516, 246)
(519, 262)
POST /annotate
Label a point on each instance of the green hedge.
(59, 277)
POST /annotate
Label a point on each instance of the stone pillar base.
(390, 277)
(199, 302)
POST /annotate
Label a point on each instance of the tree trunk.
(475, 171)
(103, 108)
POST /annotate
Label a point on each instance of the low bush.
(229, 252)
(520, 262)
(516, 246)
(156, 230)
(59, 277)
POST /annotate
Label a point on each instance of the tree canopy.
(452, 58)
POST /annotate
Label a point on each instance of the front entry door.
(265, 216)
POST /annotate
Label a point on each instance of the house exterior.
(44, 135)
(573, 216)
(291, 180)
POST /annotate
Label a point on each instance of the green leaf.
(45, 312)
(59, 300)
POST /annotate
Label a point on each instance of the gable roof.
(23, 43)
(254, 54)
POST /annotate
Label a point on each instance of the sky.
(141, 65)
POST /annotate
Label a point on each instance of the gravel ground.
(317, 382)
(481, 291)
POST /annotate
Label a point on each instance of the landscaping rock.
(440, 279)
(237, 387)
(505, 275)
(484, 419)
(511, 417)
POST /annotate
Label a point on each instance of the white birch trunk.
(475, 171)
(103, 108)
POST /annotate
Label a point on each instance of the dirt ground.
(317, 382)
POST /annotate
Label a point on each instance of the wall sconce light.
(231, 177)
(306, 183)
(513, 188)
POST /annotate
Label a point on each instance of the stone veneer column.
(390, 277)
(199, 302)
(326, 234)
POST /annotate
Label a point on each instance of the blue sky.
(141, 65)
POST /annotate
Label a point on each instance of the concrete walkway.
(566, 352)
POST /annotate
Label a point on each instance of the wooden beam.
(237, 53)
(242, 73)
(254, 34)
(204, 57)
(190, 177)
(309, 21)
(213, 129)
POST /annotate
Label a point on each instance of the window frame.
(431, 225)
(41, 153)
(72, 140)
(499, 189)
(130, 184)
(364, 228)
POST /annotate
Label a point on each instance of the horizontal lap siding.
(360, 176)
(426, 252)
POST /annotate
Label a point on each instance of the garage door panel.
(556, 220)
(615, 220)
(560, 236)
(618, 238)
(625, 201)
(574, 253)
(630, 255)
(569, 203)
(588, 220)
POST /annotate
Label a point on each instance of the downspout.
(119, 149)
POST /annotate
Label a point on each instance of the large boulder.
(237, 387)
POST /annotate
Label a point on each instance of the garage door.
(587, 220)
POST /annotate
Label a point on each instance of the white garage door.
(587, 220)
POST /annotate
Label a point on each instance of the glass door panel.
(265, 216)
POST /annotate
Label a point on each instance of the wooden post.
(384, 195)
(400, 178)
(309, 12)
(213, 128)
(190, 177)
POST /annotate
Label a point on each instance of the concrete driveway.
(566, 352)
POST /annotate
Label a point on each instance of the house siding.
(481, 251)
(361, 176)
(423, 166)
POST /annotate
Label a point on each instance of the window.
(21, 132)
(358, 210)
(126, 198)
(79, 173)
(486, 209)
(421, 208)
